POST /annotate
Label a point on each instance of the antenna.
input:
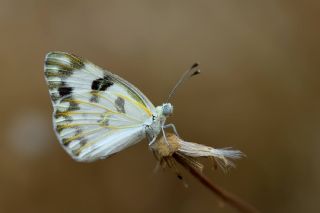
(194, 70)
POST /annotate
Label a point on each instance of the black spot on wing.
(64, 90)
(101, 84)
(59, 90)
(119, 102)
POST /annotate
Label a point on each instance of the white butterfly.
(96, 113)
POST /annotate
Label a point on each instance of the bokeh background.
(258, 92)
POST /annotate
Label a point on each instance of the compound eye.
(167, 109)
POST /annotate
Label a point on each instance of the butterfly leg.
(152, 141)
(155, 138)
(164, 136)
(173, 128)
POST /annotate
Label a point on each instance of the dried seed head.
(165, 148)
(173, 144)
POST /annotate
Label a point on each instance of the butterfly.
(97, 113)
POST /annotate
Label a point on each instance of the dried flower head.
(164, 151)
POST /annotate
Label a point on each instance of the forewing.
(96, 113)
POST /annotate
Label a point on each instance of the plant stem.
(229, 198)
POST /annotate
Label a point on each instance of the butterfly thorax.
(157, 121)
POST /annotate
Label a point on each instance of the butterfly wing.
(96, 113)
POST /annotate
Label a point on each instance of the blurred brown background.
(258, 92)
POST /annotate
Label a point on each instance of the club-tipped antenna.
(194, 70)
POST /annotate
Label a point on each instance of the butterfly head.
(166, 109)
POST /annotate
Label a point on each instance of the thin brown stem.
(229, 198)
